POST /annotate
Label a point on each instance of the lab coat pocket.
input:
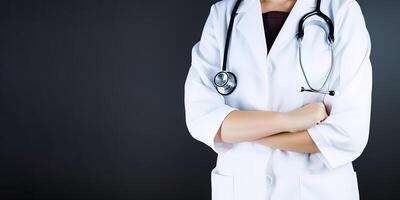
(333, 185)
(222, 187)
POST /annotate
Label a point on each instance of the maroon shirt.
(273, 22)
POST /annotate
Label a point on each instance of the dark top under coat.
(273, 22)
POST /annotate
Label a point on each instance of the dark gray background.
(91, 101)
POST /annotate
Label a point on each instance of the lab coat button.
(269, 179)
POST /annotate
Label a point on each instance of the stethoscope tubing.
(328, 76)
(225, 81)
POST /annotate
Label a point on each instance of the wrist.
(287, 123)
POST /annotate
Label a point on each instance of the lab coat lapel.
(249, 26)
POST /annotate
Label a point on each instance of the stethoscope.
(225, 81)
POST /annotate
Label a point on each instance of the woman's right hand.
(307, 116)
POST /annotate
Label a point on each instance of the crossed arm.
(280, 130)
(298, 141)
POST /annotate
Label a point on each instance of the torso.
(272, 83)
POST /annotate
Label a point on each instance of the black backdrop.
(91, 101)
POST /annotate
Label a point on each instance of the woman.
(273, 141)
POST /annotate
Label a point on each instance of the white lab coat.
(250, 171)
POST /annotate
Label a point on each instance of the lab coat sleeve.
(205, 108)
(343, 135)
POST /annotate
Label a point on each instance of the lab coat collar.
(244, 6)
(250, 25)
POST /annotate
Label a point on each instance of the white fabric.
(249, 171)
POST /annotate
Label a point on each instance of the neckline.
(275, 11)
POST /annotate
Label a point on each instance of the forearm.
(241, 126)
(296, 141)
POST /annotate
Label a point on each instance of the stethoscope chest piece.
(225, 82)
